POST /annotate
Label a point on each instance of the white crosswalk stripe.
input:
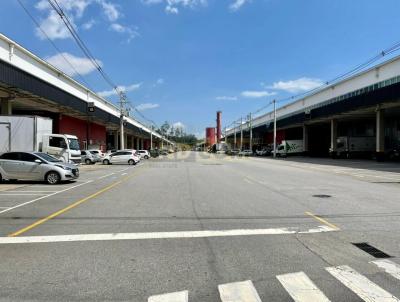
(389, 267)
(301, 288)
(360, 285)
(238, 292)
(182, 296)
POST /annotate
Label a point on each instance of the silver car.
(35, 166)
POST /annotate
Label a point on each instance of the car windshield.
(73, 144)
(47, 157)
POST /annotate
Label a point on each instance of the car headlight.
(64, 167)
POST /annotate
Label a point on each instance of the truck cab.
(62, 146)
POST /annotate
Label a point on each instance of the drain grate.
(322, 196)
(373, 251)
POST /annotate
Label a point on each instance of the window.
(126, 153)
(58, 142)
(28, 157)
(74, 144)
(48, 157)
(10, 156)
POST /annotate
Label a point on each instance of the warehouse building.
(365, 105)
(31, 86)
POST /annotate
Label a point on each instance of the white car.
(122, 157)
(246, 153)
(97, 153)
(144, 154)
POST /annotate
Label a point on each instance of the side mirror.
(38, 161)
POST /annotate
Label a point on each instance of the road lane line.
(360, 285)
(71, 206)
(104, 176)
(146, 235)
(238, 292)
(124, 173)
(182, 296)
(55, 214)
(22, 191)
(323, 221)
(301, 288)
(389, 267)
(34, 200)
(21, 194)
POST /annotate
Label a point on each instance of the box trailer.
(347, 146)
(290, 147)
(34, 133)
(23, 133)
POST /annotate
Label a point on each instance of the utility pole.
(151, 137)
(234, 130)
(123, 112)
(251, 131)
(274, 101)
(241, 134)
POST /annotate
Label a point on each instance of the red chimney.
(219, 126)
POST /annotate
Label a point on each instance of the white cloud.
(172, 6)
(301, 84)
(226, 98)
(179, 125)
(146, 106)
(256, 94)
(171, 10)
(237, 4)
(110, 10)
(160, 81)
(130, 32)
(107, 93)
(55, 28)
(89, 24)
(81, 65)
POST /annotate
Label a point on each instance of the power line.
(53, 44)
(393, 48)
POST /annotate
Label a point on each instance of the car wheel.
(53, 178)
(131, 162)
(146, 157)
(106, 162)
(88, 161)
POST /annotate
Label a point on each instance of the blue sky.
(182, 60)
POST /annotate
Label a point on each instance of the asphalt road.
(197, 225)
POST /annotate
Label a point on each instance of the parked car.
(264, 152)
(163, 152)
(36, 166)
(88, 158)
(122, 157)
(154, 153)
(144, 154)
(97, 153)
(246, 153)
(234, 152)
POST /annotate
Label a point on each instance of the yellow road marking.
(71, 206)
(323, 220)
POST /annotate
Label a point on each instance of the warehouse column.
(6, 105)
(333, 137)
(116, 140)
(305, 139)
(380, 134)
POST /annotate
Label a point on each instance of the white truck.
(347, 146)
(34, 133)
(287, 147)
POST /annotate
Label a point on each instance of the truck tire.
(52, 178)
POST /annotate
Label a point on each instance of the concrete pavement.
(161, 228)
